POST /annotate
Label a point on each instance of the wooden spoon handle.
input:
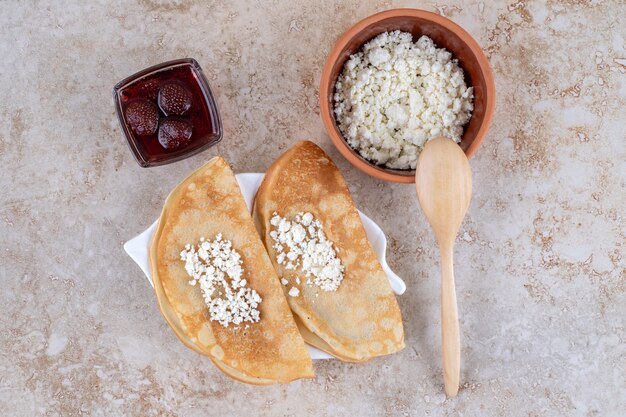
(451, 350)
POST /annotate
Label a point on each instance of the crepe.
(205, 204)
(361, 319)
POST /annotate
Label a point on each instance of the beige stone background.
(540, 259)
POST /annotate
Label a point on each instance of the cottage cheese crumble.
(395, 94)
(216, 266)
(302, 242)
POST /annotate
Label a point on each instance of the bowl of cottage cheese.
(398, 79)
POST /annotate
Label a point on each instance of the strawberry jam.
(177, 89)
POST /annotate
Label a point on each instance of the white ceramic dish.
(137, 248)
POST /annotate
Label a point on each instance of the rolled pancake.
(205, 204)
(361, 319)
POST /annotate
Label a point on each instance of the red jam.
(188, 121)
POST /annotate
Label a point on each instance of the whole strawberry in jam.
(142, 117)
(174, 98)
(150, 88)
(174, 132)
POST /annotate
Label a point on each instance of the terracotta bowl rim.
(325, 84)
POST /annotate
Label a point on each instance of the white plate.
(137, 248)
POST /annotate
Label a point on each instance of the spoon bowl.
(444, 186)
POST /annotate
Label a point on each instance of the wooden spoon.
(444, 188)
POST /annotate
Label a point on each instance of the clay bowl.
(444, 33)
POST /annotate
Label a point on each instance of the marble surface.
(540, 261)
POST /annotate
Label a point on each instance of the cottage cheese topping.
(302, 242)
(216, 266)
(395, 95)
